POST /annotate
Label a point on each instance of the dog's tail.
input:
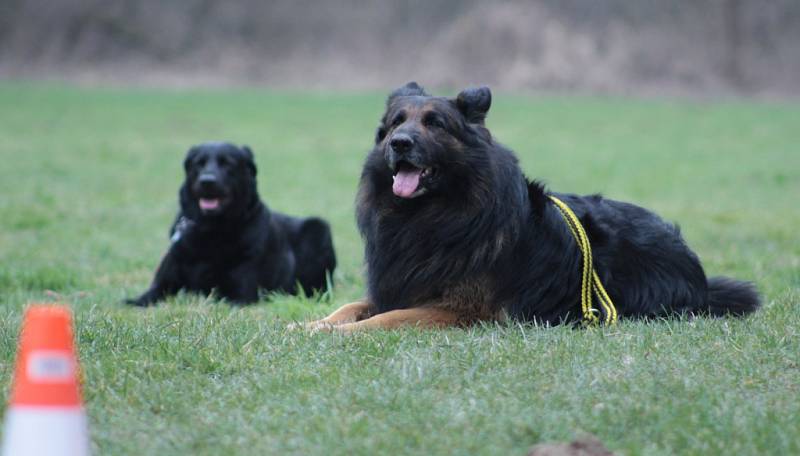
(728, 296)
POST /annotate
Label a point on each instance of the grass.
(89, 181)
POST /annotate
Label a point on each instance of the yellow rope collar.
(590, 282)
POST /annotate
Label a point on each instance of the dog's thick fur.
(456, 234)
(226, 239)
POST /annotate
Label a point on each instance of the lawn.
(89, 179)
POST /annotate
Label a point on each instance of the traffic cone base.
(52, 431)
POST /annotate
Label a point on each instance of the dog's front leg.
(167, 281)
(348, 313)
(242, 285)
(422, 317)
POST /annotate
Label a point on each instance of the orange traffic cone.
(45, 416)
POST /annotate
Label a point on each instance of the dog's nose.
(401, 143)
(207, 180)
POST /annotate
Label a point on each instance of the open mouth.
(209, 193)
(210, 203)
(407, 179)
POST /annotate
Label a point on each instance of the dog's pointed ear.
(380, 133)
(250, 160)
(382, 130)
(409, 90)
(190, 154)
(474, 103)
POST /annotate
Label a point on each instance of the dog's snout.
(401, 143)
(207, 179)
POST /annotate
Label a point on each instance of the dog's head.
(433, 144)
(220, 180)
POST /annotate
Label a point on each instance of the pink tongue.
(207, 204)
(406, 182)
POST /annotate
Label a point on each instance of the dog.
(224, 237)
(456, 234)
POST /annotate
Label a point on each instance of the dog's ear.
(189, 157)
(474, 103)
(249, 160)
(409, 90)
(381, 132)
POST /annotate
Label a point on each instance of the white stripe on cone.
(45, 431)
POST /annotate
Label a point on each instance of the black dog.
(456, 234)
(226, 239)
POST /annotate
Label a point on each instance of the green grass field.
(89, 179)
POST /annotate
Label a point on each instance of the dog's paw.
(311, 326)
(294, 326)
(137, 302)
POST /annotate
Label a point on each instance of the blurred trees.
(618, 45)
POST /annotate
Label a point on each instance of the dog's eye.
(201, 161)
(223, 161)
(398, 119)
(432, 120)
